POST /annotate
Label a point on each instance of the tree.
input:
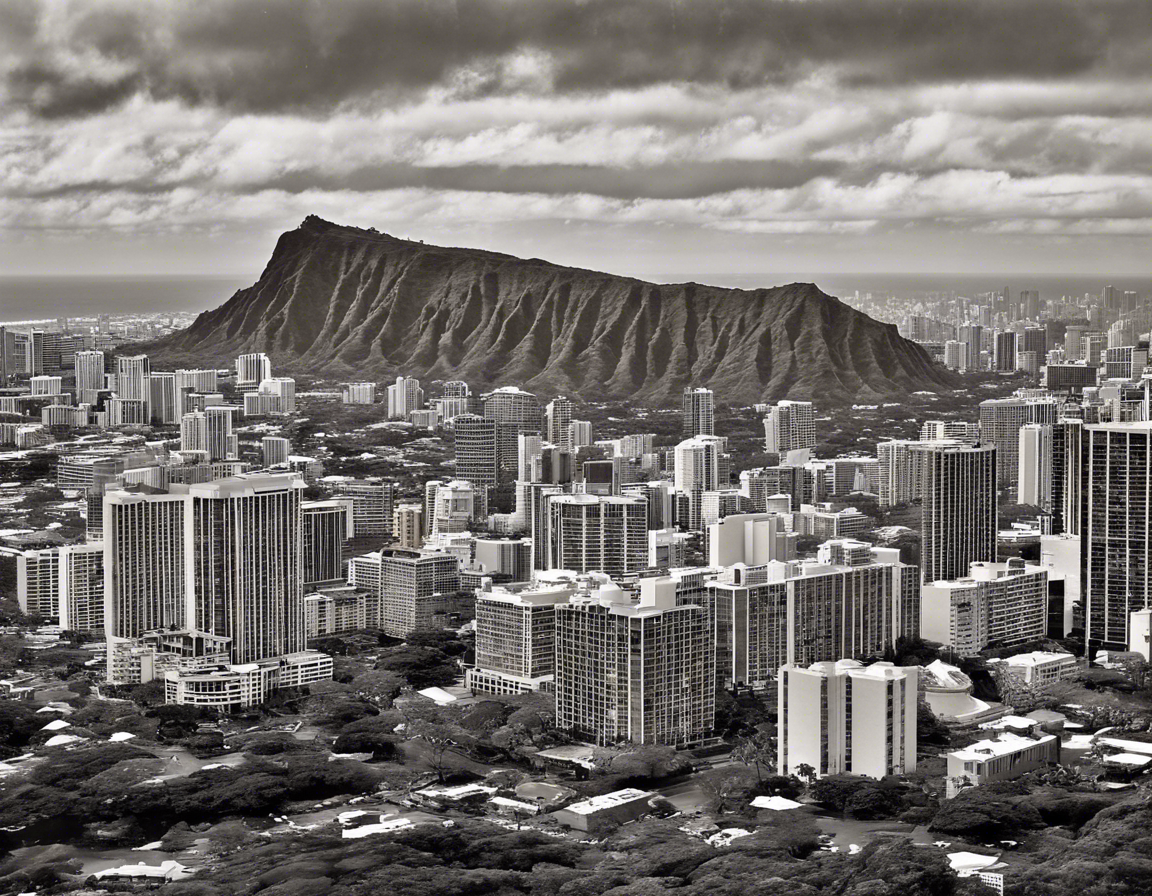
(757, 751)
(805, 771)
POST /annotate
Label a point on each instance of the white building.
(453, 507)
(359, 393)
(790, 426)
(404, 396)
(1041, 667)
(699, 412)
(596, 533)
(275, 450)
(251, 370)
(996, 604)
(853, 600)
(516, 635)
(846, 718)
(1001, 758)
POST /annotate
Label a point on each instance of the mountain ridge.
(341, 302)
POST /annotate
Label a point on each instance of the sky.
(646, 137)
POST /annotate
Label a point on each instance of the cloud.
(71, 58)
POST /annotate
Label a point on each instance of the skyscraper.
(701, 465)
(958, 516)
(220, 441)
(558, 416)
(275, 450)
(595, 533)
(634, 673)
(410, 582)
(162, 399)
(479, 458)
(516, 636)
(89, 375)
(326, 526)
(1116, 541)
(1000, 422)
(132, 378)
(247, 564)
(404, 397)
(790, 426)
(146, 549)
(372, 502)
(699, 413)
(251, 370)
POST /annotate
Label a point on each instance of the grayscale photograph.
(576, 447)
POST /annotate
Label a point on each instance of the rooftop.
(609, 801)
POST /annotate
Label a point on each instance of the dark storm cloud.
(66, 60)
(687, 180)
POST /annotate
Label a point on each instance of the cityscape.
(470, 549)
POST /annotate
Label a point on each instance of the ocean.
(47, 298)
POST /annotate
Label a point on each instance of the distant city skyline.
(627, 137)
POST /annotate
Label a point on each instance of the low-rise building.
(232, 687)
(608, 810)
(1041, 667)
(1001, 758)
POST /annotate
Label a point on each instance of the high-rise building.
(790, 426)
(194, 432)
(46, 385)
(1000, 422)
(1004, 352)
(132, 375)
(284, 389)
(972, 335)
(89, 375)
(1034, 483)
(408, 526)
(956, 355)
(634, 673)
(247, 564)
(516, 636)
(162, 399)
(359, 393)
(480, 450)
(220, 441)
(146, 558)
(701, 465)
(1116, 540)
(82, 587)
(201, 382)
(597, 533)
(411, 582)
(326, 526)
(1030, 304)
(958, 516)
(372, 502)
(958, 430)
(558, 417)
(251, 370)
(846, 718)
(994, 605)
(38, 582)
(699, 413)
(453, 507)
(852, 600)
(1067, 489)
(275, 450)
(580, 433)
(404, 396)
